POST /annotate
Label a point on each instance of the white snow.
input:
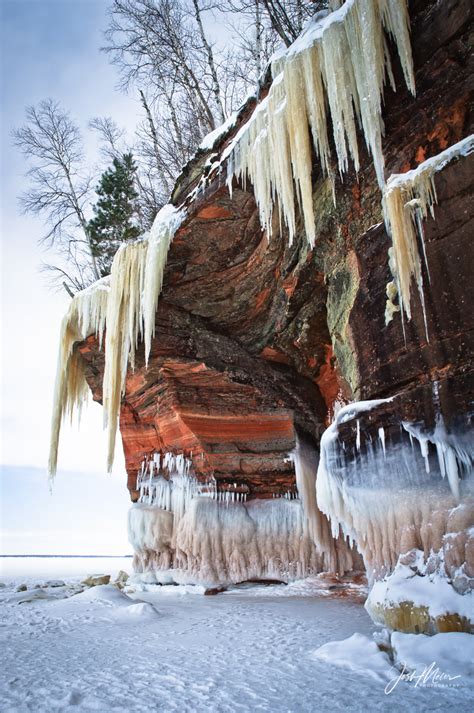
(444, 662)
(452, 653)
(358, 653)
(244, 650)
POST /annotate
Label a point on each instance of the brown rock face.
(257, 340)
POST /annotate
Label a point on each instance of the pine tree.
(116, 212)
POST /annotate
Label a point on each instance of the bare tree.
(60, 188)
(216, 89)
(288, 17)
(162, 50)
(155, 45)
(282, 20)
(111, 137)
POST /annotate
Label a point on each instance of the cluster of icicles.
(337, 69)
(383, 499)
(124, 305)
(340, 63)
(167, 481)
(186, 526)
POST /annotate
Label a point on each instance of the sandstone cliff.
(258, 342)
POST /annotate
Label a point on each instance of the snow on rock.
(21, 597)
(408, 198)
(357, 653)
(141, 610)
(208, 141)
(94, 580)
(404, 661)
(114, 600)
(105, 594)
(418, 596)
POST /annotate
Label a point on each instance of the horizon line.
(83, 556)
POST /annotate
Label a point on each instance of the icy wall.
(259, 338)
(187, 530)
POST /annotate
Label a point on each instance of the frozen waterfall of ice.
(123, 304)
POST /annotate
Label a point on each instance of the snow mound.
(452, 653)
(141, 610)
(119, 604)
(358, 653)
(104, 594)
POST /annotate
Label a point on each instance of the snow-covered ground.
(253, 648)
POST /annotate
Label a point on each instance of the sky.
(49, 48)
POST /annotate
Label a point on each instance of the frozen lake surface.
(173, 649)
(44, 567)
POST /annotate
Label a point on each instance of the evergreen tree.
(116, 212)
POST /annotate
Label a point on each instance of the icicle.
(86, 315)
(382, 439)
(408, 198)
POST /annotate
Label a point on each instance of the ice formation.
(316, 524)
(187, 530)
(391, 497)
(339, 63)
(454, 457)
(86, 315)
(125, 306)
(224, 542)
(341, 60)
(407, 200)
